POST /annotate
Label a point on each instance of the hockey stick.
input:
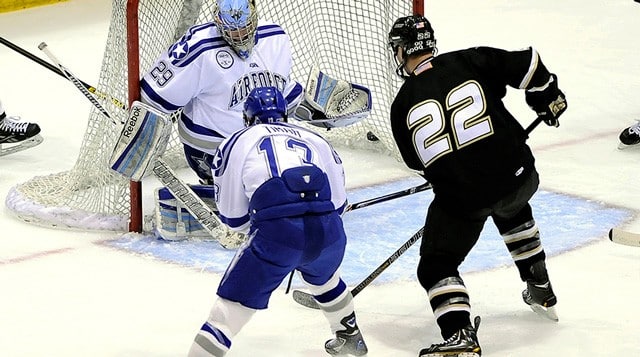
(43, 47)
(533, 125)
(623, 237)
(180, 190)
(409, 191)
(57, 71)
(308, 300)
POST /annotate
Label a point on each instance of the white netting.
(345, 38)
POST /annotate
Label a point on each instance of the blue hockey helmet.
(265, 105)
(237, 21)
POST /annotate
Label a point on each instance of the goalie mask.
(414, 35)
(265, 105)
(237, 21)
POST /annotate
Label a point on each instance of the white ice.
(62, 293)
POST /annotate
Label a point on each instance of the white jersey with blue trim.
(252, 156)
(202, 74)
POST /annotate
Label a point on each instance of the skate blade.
(452, 354)
(20, 146)
(622, 146)
(548, 312)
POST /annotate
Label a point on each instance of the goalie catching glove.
(547, 101)
(330, 103)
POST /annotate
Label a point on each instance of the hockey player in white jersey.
(208, 74)
(210, 71)
(285, 186)
(17, 135)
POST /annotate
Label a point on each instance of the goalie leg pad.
(142, 140)
(173, 221)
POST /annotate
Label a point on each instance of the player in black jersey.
(450, 123)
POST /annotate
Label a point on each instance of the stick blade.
(305, 299)
(623, 237)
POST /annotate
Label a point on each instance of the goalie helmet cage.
(344, 38)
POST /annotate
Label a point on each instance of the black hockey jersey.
(449, 121)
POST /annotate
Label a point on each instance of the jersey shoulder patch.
(199, 39)
(223, 153)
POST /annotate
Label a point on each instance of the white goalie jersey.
(203, 75)
(252, 156)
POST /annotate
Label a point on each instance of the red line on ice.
(34, 256)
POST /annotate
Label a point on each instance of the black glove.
(305, 112)
(548, 101)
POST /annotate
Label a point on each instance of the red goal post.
(347, 39)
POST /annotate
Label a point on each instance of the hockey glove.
(330, 103)
(547, 101)
(306, 112)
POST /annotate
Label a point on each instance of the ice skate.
(630, 136)
(16, 135)
(539, 294)
(463, 343)
(348, 342)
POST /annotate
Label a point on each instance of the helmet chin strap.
(400, 70)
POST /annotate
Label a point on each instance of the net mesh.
(344, 38)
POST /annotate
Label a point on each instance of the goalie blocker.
(142, 141)
(330, 103)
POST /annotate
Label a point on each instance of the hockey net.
(344, 38)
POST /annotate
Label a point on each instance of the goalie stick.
(57, 71)
(623, 237)
(308, 300)
(181, 191)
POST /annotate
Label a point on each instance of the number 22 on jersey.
(468, 122)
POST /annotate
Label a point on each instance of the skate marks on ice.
(374, 232)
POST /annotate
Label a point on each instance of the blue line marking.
(375, 232)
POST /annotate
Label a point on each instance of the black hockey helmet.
(414, 35)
